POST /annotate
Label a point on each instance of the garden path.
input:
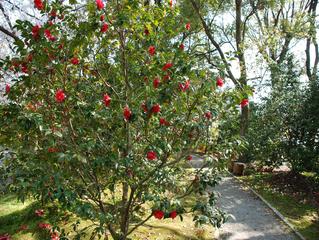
(249, 217)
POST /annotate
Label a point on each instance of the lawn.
(14, 215)
(300, 211)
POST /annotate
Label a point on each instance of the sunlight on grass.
(173, 229)
(14, 214)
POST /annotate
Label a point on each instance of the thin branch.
(10, 34)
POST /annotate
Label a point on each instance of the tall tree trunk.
(244, 118)
(312, 70)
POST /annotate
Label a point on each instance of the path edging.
(277, 213)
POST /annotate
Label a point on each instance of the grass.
(304, 217)
(14, 214)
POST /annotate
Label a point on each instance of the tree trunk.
(244, 118)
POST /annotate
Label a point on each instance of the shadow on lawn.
(11, 223)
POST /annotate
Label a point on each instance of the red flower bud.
(24, 68)
(127, 113)
(156, 82)
(167, 66)
(53, 13)
(166, 77)
(102, 17)
(188, 26)
(163, 122)
(38, 4)
(151, 155)
(184, 87)
(60, 96)
(181, 46)
(219, 81)
(189, 158)
(8, 88)
(99, 4)
(39, 212)
(146, 31)
(55, 236)
(158, 214)
(75, 61)
(156, 108)
(44, 225)
(106, 100)
(35, 31)
(208, 115)
(104, 27)
(173, 214)
(244, 102)
(151, 50)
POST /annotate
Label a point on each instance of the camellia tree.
(105, 108)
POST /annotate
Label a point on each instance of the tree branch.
(8, 33)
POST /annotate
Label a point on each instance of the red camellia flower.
(208, 115)
(163, 122)
(181, 46)
(24, 68)
(38, 4)
(52, 150)
(151, 50)
(44, 225)
(173, 214)
(53, 13)
(48, 35)
(75, 61)
(151, 155)
(156, 82)
(36, 31)
(183, 87)
(55, 236)
(244, 102)
(5, 237)
(156, 108)
(7, 88)
(104, 27)
(166, 77)
(39, 212)
(189, 158)
(188, 26)
(99, 4)
(102, 17)
(60, 96)
(219, 81)
(106, 100)
(127, 113)
(158, 214)
(167, 66)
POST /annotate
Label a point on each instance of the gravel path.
(249, 218)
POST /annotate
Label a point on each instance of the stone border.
(277, 213)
